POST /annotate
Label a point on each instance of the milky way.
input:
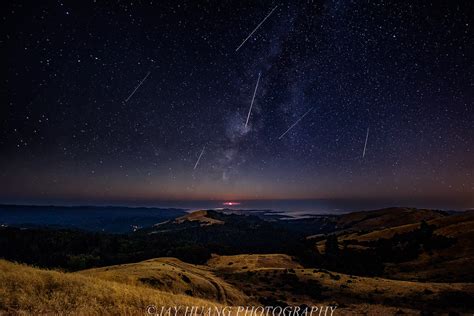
(66, 133)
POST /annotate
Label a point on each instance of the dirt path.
(220, 290)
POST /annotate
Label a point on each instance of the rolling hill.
(203, 217)
(172, 275)
(278, 279)
(374, 267)
(385, 218)
(438, 264)
(254, 279)
(28, 290)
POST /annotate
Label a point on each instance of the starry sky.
(147, 101)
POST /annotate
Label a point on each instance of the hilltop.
(203, 217)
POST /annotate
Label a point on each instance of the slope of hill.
(239, 263)
(438, 264)
(278, 280)
(384, 218)
(28, 290)
(452, 225)
(270, 280)
(172, 275)
(260, 263)
(203, 217)
(453, 263)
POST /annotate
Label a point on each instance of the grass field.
(172, 275)
(27, 290)
(239, 263)
(453, 263)
(284, 281)
(251, 280)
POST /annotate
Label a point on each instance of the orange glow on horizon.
(230, 203)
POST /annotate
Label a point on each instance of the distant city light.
(230, 203)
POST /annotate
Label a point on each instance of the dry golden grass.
(117, 290)
(199, 216)
(383, 233)
(450, 226)
(242, 263)
(27, 290)
(364, 287)
(365, 294)
(172, 275)
(374, 310)
(279, 279)
(385, 218)
(441, 264)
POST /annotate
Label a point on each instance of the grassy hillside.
(381, 270)
(172, 275)
(250, 280)
(278, 280)
(30, 290)
(449, 264)
(242, 263)
(199, 216)
(384, 218)
(441, 264)
(454, 225)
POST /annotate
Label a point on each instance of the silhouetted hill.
(109, 219)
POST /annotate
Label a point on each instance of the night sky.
(73, 127)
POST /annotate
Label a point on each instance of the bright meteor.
(365, 145)
(253, 98)
(255, 29)
(294, 124)
(136, 88)
(199, 158)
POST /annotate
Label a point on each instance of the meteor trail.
(256, 28)
(294, 124)
(253, 98)
(136, 88)
(365, 145)
(199, 158)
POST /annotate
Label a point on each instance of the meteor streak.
(136, 88)
(294, 124)
(253, 98)
(256, 28)
(365, 145)
(199, 158)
